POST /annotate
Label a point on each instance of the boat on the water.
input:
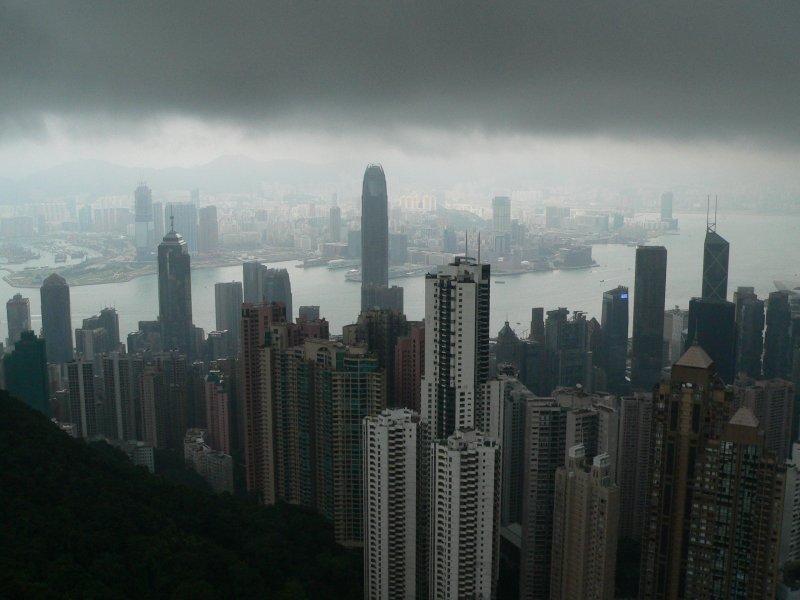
(313, 262)
(341, 263)
(395, 272)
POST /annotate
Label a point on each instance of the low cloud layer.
(635, 70)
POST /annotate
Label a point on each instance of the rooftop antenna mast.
(466, 242)
(479, 247)
(711, 225)
(716, 203)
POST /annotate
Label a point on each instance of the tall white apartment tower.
(395, 505)
(465, 516)
(457, 357)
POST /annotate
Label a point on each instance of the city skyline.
(400, 300)
(307, 401)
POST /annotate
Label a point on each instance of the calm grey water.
(763, 248)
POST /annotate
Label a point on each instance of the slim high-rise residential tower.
(175, 294)
(648, 316)
(306, 422)
(633, 462)
(409, 365)
(99, 334)
(689, 411)
(544, 436)
(253, 282)
(265, 285)
(153, 406)
(585, 522)
(501, 224)
(615, 337)
(772, 403)
(56, 319)
(218, 409)
(380, 331)
(354, 388)
(501, 214)
(396, 456)
(778, 336)
(144, 224)
(228, 306)
(736, 515)
(108, 319)
(461, 409)
(456, 345)
(335, 224)
(516, 399)
(749, 332)
(278, 288)
(121, 407)
(257, 383)
(18, 311)
(374, 232)
(208, 233)
(537, 333)
(465, 516)
(172, 408)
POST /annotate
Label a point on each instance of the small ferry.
(313, 262)
(340, 263)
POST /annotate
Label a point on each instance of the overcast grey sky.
(709, 86)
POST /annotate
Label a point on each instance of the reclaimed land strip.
(105, 271)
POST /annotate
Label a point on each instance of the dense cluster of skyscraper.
(443, 454)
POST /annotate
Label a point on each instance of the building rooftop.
(173, 237)
(744, 416)
(54, 279)
(715, 239)
(506, 333)
(695, 357)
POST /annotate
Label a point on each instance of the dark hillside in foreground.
(80, 521)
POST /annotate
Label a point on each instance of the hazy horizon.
(512, 97)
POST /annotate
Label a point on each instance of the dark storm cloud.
(638, 69)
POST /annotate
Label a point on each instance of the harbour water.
(763, 249)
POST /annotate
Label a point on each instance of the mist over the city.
(400, 300)
(579, 93)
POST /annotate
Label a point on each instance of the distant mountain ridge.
(236, 174)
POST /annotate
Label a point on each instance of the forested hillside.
(80, 521)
